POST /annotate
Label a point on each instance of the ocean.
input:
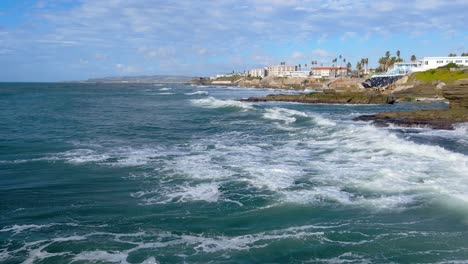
(121, 173)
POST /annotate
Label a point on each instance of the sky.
(60, 40)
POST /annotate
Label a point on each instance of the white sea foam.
(206, 192)
(114, 156)
(212, 102)
(104, 256)
(286, 115)
(198, 93)
(165, 89)
(165, 93)
(347, 164)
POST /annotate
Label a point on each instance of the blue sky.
(54, 40)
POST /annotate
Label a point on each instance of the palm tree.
(387, 55)
(359, 68)
(340, 59)
(299, 66)
(383, 63)
(413, 58)
(398, 54)
(452, 55)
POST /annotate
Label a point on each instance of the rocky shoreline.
(456, 94)
(328, 98)
(436, 119)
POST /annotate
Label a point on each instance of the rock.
(457, 94)
(437, 119)
(440, 85)
(328, 98)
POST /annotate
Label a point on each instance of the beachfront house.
(427, 63)
(405, 67)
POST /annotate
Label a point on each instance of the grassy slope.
(444, 75)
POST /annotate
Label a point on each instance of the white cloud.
(298, 55)
(161, 52)
(5, 51)
(60, 42)
(323, 37)
(322, 53)
(100, 56)
(126, 68)
(348, 35)
(202, 51)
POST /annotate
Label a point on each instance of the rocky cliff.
(457, 94)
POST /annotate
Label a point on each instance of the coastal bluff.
(457, 95)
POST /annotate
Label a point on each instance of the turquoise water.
(174, 173)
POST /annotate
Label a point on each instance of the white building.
(257, 73)
(405, 67)
(427, 63)
(327, 72)
(300, 74)
(279, 70)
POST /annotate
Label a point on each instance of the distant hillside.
(142, 79)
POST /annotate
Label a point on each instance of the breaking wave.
(212, 102)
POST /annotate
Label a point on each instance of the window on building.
(426, 62)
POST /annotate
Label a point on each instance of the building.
(257, 73)
(404, 67)
(299, 74)
(427, 63)
(279, 70)
(329, 72)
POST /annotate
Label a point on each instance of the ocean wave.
(112, 156)
(288, 116)
(212, 102)
(198, 93)
(212, 244)
(206, 192)
(165, 89)
(345, 164)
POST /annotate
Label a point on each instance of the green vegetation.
(442, 74)
(251, 78)
(387, 61)
(230, 78)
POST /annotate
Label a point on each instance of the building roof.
(281, 66)
(330, 68)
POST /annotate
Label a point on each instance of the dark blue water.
(173, 173)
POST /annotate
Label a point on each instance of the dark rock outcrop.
(328, 98)
(437, 119)
(457, 94)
